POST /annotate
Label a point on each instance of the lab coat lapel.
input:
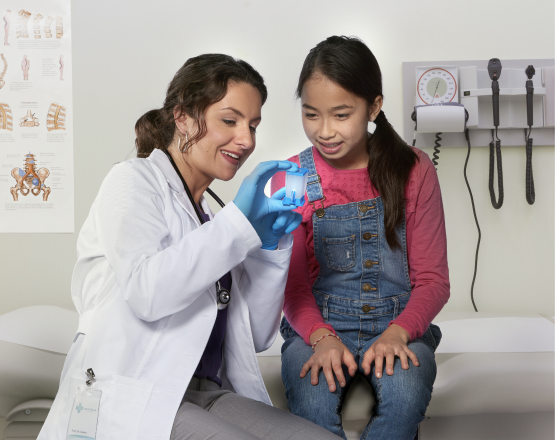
(161, 161)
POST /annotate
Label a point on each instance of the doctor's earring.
(185, 144)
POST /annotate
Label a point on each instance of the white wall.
(125, 54)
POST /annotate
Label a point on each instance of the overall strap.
(314, 183)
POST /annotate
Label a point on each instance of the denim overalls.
(362, 285)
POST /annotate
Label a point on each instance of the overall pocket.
(340, 252)
(434, 335)
(286, 330)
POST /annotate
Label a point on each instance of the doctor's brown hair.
(199, 83)
(349, 63)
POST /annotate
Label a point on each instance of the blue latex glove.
(250, 198)
(275, 225)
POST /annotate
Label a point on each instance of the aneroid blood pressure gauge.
(436, 85)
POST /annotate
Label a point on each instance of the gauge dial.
(436, 86)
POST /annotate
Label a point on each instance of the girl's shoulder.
(422, 167)
(422, 172)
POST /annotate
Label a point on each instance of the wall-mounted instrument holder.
(474, 91)
(476, 96)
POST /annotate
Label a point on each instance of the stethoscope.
(223, 294)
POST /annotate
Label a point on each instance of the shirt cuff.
(401, 324)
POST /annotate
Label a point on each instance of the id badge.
(84, 414)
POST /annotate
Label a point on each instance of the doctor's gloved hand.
(275, 225)
(250, 198)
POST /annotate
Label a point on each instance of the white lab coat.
(144, 286)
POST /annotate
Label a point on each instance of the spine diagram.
(46, 27)
(22, 19)
(7, 22)
(2, 82)
(59, 27)
(36, 25)
(30, 180)
(29, 120)
(6, 119)
(56, 117)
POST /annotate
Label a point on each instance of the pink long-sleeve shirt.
(426, 245)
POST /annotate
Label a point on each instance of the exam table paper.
(44, 327)
(508, 334)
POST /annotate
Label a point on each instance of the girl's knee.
(408, 394)
(316, 404)
(304, 398)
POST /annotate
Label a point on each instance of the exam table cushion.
(466, 383)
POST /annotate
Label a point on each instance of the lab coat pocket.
(130, 397)
(122, 405)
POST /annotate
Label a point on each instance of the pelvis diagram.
(22, 22)
(56, 117)
(30, 180)
(6, 120)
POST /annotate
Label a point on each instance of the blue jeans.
(401, 399)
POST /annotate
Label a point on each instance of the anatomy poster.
(36, 124)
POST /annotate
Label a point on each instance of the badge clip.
(90, 376)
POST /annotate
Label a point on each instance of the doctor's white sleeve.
(158, 275)
(263, 286)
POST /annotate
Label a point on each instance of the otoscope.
(494, 70)
(530, 193)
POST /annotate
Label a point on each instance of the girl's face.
(336, 122)
(230, 137)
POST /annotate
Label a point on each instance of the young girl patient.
(369, 266)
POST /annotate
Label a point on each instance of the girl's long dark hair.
(199, 83)
(349, 63)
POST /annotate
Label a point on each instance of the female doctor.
(174, 302)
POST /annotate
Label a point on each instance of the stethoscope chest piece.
(223, 297)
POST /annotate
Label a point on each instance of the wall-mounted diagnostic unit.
(481, 103)
(431, 83)
(497, 101)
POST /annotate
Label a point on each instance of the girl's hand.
(392, 342)
(328, 355)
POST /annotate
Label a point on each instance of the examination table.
(495, 375)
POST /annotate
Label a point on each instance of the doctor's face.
(231, 133)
